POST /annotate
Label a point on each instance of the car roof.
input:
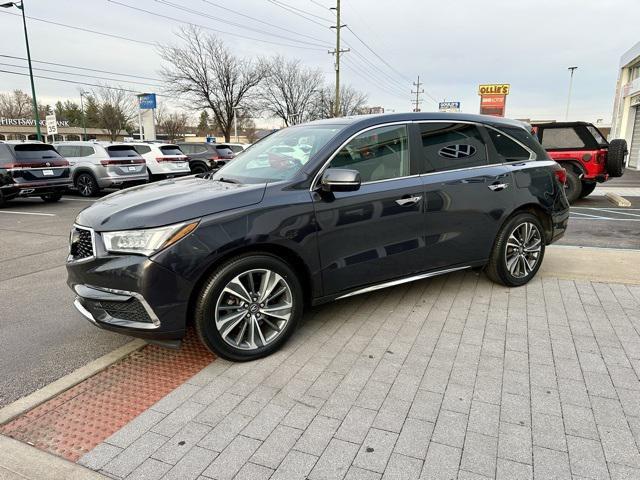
(154, 144)
(372, 120)
(24, 142)
(560, 124)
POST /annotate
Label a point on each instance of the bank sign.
(28, 122)
(147, 101)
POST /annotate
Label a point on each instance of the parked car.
(380, 201)
(584, 153)
(204, 156)
(97, 165)
(238, 147)
(164, 160)
(32, 169)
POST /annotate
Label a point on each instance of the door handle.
(496, 187)
(403, 202)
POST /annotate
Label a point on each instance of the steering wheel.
(283, 162)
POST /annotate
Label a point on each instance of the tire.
(587, 189)
(51, 197)
(573, 186)
(86, 184)
(616, 157)
(215, 299)
(507, 244)
(198, 169)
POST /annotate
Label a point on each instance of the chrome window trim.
(70, 259)
(440, 172)
(315, 183)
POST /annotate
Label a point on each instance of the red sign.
(493, 104)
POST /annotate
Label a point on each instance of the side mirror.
(340, 180)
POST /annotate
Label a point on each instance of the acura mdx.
(375, 201)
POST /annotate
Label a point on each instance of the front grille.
(81, 243)
(131, 310)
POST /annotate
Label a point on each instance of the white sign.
(52, 125)
(449, 106)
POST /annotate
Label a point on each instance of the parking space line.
(79, 199)
(607, 219)
(619, 213)
(590, 216)
(29, 213)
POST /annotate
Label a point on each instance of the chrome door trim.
(400, 281)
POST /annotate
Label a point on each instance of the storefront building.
(626, 108)
(24, 129)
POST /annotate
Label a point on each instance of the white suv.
(97, 165)
(164, 160)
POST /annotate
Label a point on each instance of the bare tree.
(209, 76)
(116, 110)
(352, 102)
(289, 89)
(173, 125)
(18, 104)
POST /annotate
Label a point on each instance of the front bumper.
(130, 294)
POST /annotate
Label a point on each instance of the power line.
(305, 12)
(50, 22)
(373, 74)
(80, 75)
(353, 68)
(186, 22)
(236, 24)
(295, 12)
(83, 68)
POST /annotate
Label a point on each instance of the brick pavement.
(453, 377)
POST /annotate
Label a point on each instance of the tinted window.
(142, 149)
(171, 150)
(378, 154)
(122, 151)
(69, 151)
(524, 137)
(448, 146)
(35, 152)
(236, 148)
(561, 138)
(509, 150)
(86, 151)
(597, 135)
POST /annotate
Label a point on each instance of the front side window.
(507, 149)
(378, 154)
(450, 146)
(553, 138)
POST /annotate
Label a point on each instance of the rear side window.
(597, 135)
(171, 150)
(122, 151)
(449, 146)
(507, 149)
(35, 152)
(74, 151)
(553, 138)
(142, 149)
(236, 148)
(527, 139)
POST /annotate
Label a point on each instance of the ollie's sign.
(493, 99)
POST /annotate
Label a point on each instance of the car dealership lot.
(44, 338)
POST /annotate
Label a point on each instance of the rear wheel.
(587, 189)
(198, 169)
(518, 251)
(249, 307)
(86, 185)
(616, 157)
(573, 185)
(51, 197)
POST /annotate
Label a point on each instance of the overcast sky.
(453, 45)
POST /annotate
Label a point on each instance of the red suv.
(584, 153)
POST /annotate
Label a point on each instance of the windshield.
(279, 156)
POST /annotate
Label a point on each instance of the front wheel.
(86, 185)
(249, 307)
(518, 251)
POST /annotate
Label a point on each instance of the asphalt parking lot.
(42, 337)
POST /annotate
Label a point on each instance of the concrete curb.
(20, 461)
(47, 392)
(595, 264)
(617, 200)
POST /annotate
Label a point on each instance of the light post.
(84, 121)
(20, 6)
(571, 69)
(235, 123)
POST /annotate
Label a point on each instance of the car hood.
(167, 202)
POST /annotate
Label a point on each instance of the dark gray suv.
(374, 201)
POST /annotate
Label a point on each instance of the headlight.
(148, 240)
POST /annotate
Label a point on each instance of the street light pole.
(571, 69)
(84, 122)
(235, 123)
(20, 6)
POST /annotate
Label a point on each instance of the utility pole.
(571, 69)
(337, 52)
(417, 92)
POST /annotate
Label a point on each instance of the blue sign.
(449, 106)
(147, 101)
(211, 139)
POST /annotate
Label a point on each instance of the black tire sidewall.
(587, 189)
(615, 157)
(52, 197)
(501, 246)
(573, 188)
(207, 299)
(94, 184)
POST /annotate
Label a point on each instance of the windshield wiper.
(227, 180)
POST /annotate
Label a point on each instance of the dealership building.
(25, 129)
(626, 108)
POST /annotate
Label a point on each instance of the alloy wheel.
(523, 250)
(85, 185)
(253, 309)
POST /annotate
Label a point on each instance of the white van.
(164, 160)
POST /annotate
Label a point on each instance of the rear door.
(37, 163)
(467, 193)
